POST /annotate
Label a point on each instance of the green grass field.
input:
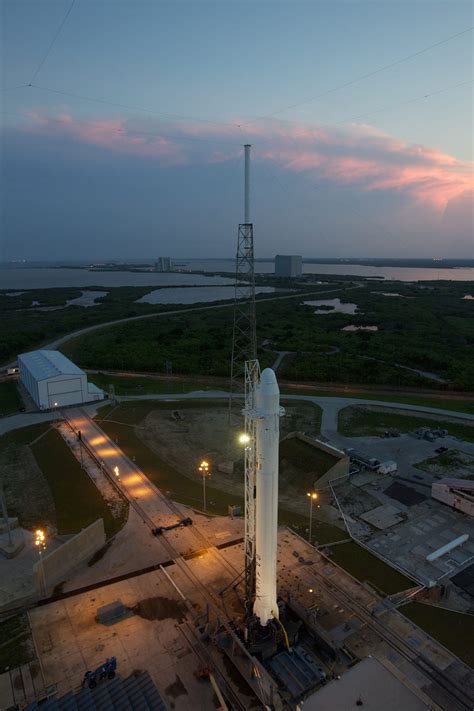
(10, 400)
(16, 644)
(366, 567)
(77, 501)
(360, 421)
(453, 629)
(146, 386)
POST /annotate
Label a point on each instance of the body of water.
(195, 295)
(388, 273)
(44, 278)
(335, 306)
(29, 277)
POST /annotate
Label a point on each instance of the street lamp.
(204, 469)
(244, 438)
(116, 472)
(40, 542)
(312, 495)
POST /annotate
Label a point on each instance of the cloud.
(358, 155)
(110, 134)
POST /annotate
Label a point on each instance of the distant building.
(163, 264)
(54, 381)
(288, 265)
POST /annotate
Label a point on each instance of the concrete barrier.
(56, 566)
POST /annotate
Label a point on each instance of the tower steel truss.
(244, 341)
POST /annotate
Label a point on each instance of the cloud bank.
(358, 155)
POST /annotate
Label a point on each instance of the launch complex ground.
(184, 614)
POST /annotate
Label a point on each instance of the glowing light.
(244, 438)
(312, 495)
(107, 452)
(116, 471)
(40, 540)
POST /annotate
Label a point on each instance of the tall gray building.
(288, 265)
(163, 264)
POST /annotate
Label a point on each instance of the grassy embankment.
(16, 645)
(182, 488)
(77, 501)
(361, 421)
(10, 400)
(454, 630)
(440, 402)
(143, 385)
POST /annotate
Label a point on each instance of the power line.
(407, 101)
(123, 131)
(365, 76)
(130, 107)
(58, 32)
(12, 88)
(261, 140)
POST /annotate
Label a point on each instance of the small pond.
(332, 306)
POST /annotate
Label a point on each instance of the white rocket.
(267, 435)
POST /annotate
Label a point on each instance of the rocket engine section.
(267, 436)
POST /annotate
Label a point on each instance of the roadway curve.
(82, 331)
(329, 405)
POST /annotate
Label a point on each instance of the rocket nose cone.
(268, 381)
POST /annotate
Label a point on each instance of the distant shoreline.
(182, 263)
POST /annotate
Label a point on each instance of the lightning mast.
(245, 372)
(244, 341)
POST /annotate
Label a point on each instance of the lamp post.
(117, 472)
(40, 542)
(204, 469)
(312, 495)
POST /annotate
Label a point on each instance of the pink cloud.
(111, 134)
(358, 154)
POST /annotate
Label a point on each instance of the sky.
(123, 124)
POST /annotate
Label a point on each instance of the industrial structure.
(163, 264)
(52, 380)
(457, 493)
(288, 265)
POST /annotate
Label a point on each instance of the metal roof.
(456, 483)
(48, 364)
(136, 693)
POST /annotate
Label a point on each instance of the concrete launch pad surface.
(155, 636)
(159, 633)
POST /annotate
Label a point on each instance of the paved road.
(330, 407)
(52, 345)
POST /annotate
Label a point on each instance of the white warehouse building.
(53, 380)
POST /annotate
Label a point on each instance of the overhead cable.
(123, 131)
(130, 107)
(58, 32)
(12, 88)
(365, 76)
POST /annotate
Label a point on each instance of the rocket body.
(267, 435)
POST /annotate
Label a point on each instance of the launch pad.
(175, 638)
